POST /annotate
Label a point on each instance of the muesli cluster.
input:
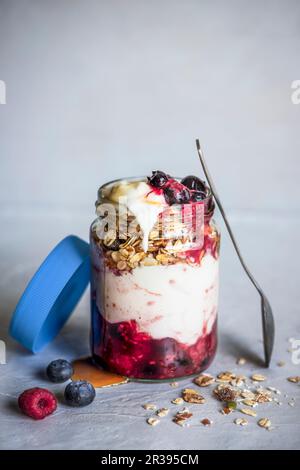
(161, 251)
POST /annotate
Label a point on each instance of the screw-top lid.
(52, 294)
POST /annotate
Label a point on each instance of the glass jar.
(154, 301)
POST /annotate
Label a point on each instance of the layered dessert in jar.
(155, 277)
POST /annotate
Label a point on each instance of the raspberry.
(37, 403)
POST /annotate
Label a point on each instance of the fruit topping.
(198, 196)
(190, 189)
(59, 371)
(176, 193)
(37, 403)
(158, 179)
(194, 183)
(79, 393)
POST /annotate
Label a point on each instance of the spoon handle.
(267, 315)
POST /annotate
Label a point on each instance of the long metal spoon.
(266, 310)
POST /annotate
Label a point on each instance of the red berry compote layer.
(155, 289)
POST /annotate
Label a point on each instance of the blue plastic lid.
(52, 294)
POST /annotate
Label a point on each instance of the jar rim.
(144, 179)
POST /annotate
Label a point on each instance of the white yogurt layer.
(176, 301)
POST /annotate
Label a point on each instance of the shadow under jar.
(154, 301)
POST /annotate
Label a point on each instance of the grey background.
(102, 89)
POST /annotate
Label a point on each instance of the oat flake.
(153, 421)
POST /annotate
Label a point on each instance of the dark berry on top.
(37, 403)
(79, 393)
(158, 179)
(198, 196)
(194, 183)
(176, 193)
(59, 371)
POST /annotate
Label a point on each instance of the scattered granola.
(264, 423)
(182, 416)
(226, 410)
(249, 402)
(241, 421)
(295, 379)
(258, 377)
(281, 363)
(204, 380)
(248, 411)
(225, 393)
(226, 376)
(162, 412)
(206, 422)
(263, 396)
(153, 421)
(241, 361)
(229, 408)
(177, 401)
(192, 396)
(238, 381)
(149, 406)
(248, 394)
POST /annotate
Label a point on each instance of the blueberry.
(194, 183)
(158, 179)
(79, 393)
(177, 194)
(59, 371)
